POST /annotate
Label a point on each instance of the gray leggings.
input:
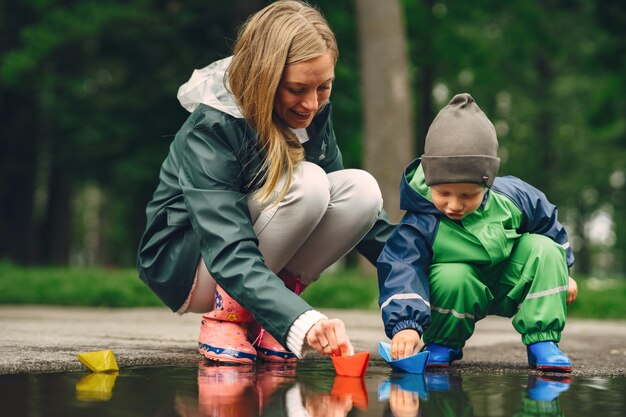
(322, 217)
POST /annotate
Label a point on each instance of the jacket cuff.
(294, 405)
(407, 324)
(299, 329)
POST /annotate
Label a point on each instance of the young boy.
(472, 245)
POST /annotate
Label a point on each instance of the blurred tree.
(88, 107)
(387, 104)
(534, 68)
(87, 89)
(605, 114)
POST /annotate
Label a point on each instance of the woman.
(253, 201)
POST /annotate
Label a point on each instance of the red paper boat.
(354, 365)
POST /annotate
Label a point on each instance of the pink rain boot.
(223, 334)
(266, 345)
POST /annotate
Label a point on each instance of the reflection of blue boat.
(414, 364)
(412, 383)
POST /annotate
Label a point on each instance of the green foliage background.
(88, 108)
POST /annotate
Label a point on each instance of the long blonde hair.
(281, 34)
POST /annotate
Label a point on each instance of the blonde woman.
(253, 201)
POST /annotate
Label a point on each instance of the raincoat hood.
(209, 86)
(414, 193)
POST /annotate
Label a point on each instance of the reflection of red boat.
(354, 388)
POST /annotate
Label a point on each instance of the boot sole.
(552, 368)
(437, 365)
(275, 356)
(226, 358)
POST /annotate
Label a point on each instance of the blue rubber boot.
(546, 356)
(442, 356)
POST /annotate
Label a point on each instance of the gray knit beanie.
(461, 145)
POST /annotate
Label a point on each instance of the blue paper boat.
(414, 364)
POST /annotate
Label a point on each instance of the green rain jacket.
(510, 209)
(199, 208)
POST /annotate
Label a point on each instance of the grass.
(95, 287)
(98, 287)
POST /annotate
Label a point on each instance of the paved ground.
(47, 339)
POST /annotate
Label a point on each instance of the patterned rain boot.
(223, 334)
(546, 356)
(266, 345)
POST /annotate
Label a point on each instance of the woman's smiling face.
(304, 87)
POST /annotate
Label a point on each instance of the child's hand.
(403, 403)
(329, 337)
(404, 343)
(572, 291)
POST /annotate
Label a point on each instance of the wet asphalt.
(36, 339)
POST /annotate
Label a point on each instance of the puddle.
(310, 389)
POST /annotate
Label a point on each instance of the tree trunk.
(56, 230)
(426, 74)
(387, 107)
(18, 162)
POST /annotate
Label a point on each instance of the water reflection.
(441, 394)
(96, 386)
(269, 389)
(264, 389)
(308, 389)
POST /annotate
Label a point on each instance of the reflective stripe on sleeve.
(455, 313)
(409, 296)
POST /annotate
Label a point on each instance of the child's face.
(457, 200)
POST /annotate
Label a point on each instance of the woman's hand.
(327, 405)
(404, 343)
(572, 291)
(329, 337)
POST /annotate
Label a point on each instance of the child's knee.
(451, 278)
(457, 286)
(534, 245)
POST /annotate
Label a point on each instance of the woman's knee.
(310, 181)
(361, 189)
(309, 188)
